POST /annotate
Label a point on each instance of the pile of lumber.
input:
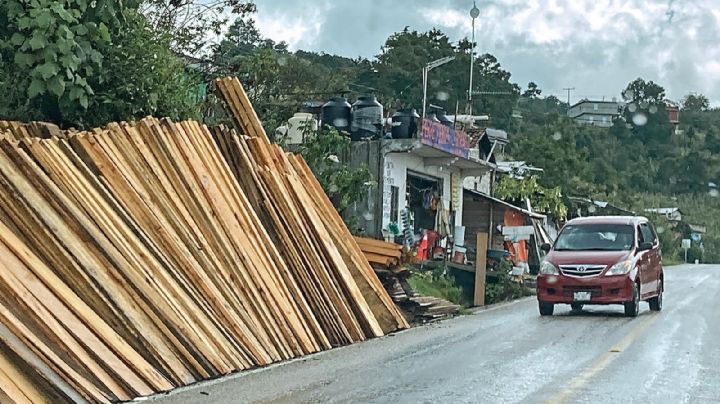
(140, 257)
(388, 261)
(380, 252)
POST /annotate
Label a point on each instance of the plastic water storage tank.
(443, 118)
(367, 118)
(404, 123)
(336, 113)
(297, 125)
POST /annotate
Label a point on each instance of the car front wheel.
(656, 302)
(546, 309)
(632, 308)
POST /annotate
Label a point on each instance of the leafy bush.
(433, 283)
(504, 288)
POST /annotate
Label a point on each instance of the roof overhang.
(433, 157)
(506, 204)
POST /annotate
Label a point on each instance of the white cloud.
(597, 46)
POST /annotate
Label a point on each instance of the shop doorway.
(424, 197)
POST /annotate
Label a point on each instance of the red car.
(602, 260)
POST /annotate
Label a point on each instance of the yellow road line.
(602, 361)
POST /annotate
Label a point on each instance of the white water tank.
(297, 125)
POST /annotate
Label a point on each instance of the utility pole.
(568, 89)
(474, 13)
(425, 71)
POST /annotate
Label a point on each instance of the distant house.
(598, 113)
(672, 214)
(673, 112)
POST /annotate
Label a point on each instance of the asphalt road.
(510, 354)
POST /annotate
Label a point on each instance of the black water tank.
(367, 118)
(443, 118)
(336, 113)
(404, 123)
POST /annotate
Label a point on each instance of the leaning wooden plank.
(45, 378)
(62, 340)
(349, 283)
(117, 242)
(304, 328)
(79, 383)
(63, 225)
(238, 260)
(62, 295)
(383, 305)
(176, 230)
(149, 214)
(286, 241)
(283, 319)
(16, 382)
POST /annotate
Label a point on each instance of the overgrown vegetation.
(431, 283)
(326, 153)
(83, 63)
(503, 287)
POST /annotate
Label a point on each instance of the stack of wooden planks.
(389, 264)
(380, 252)
(144, 256)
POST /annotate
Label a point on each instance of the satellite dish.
(474, 12)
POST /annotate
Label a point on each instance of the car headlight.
(621, 268)
(548, 269)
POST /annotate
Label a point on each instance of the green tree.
(695, 103)
(83, 63)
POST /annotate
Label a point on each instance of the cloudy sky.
(596, 46)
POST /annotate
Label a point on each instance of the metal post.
(474, 13)
(424, 79)
(472, 64)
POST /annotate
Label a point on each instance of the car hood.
(587, 257)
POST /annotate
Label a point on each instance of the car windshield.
(604, 237)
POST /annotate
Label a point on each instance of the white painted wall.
(395, 174)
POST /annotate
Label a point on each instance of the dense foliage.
(84, 63)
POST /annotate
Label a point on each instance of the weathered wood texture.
(144, 256)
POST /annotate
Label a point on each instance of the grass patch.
(426, 284)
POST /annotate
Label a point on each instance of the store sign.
(518, 230)
(445, 138)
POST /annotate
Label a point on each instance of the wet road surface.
(510, 354)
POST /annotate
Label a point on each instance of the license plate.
(582, 296)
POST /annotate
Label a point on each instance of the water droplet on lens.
(714, 193)
(632, 107)
(442, 96)
(660, 230)
(653, 109)
(557, 136)
(639, 119)
(628, 94)
(644, 104)
(340, 122)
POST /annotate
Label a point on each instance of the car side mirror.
(645, 246)
(546, 247)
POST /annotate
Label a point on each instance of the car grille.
(582, 270)
(569, 291)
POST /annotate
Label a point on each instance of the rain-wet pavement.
(510, 354)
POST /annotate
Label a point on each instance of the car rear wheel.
(656, 302)
(546, 309)
(576, 306)
(632, 308)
